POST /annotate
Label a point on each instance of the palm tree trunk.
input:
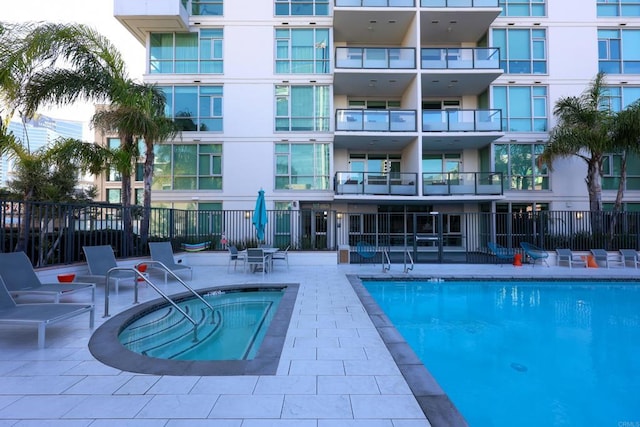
(594, 187)
(147, 179)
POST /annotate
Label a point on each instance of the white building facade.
(359, 106)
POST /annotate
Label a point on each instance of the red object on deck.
(517, 260)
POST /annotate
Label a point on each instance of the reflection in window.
(302, 51)
(194, 108)
(617, 98)
(518, 164)
(522, 7)
(618, 8)
(206, 7)
(524, 108)
(186, 53)
(302, 166)
(302, 108)
(522, 51)
(302, 7)
(188, 167)
(618, 51)
(612, 172)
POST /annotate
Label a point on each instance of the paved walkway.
(334, 370)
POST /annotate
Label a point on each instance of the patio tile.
(341, 354)
(173, 385)
(233, 406)
(370, 367)
(226, 385)
(392, 384)
(128, 423)
(203, 423)
(104, 406)
(53, 423)
(317, 342)
(355, 423)
(385, 406)
(44, 368)
(138, 384)
(325, 406)
(316, 367)
(280, 423)
(96, 384)
(41, 407)
(37, 384)
(328, 384)
(302, 384)
(178, 406)
(7, 400)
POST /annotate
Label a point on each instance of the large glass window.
(302, 51)
(302, 166)
(522, 51)
(206, 7)
(524, 108)
(612, 172)
(519, 166)
(618, 51)
(186, 53)
(194, 108)
(618, 98)
(114, 195)
(302, 7)
(522, 7)
(618, 8)
(302, 108)
(188, 167)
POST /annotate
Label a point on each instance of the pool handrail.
(162, 294)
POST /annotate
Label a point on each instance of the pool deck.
(335, 369)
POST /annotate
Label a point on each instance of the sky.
(95, 13)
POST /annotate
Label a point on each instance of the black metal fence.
(53, 234)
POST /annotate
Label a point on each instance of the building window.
(186, 53)
(524, 108)
(522, 7)
(302, 8)
(206, 7)
(617, 98)
(442, 163)
(302, 51)
(139, 196)
(519, 166)
(618, 8)
(302, 108)
(188, 167)
(611, 172)
(114, 195)
(302, 166)
(194, 108)
(113, 175)
(618, 51)
(522, 51)
(374, 164)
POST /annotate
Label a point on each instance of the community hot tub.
(243, 334)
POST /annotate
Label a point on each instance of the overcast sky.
(95, 13)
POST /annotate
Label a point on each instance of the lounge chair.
(40, 315)
(630, 256)
(163, 252)
(502, 253)
(281, 256)
(100, 259)
(608, 258)
(535, 253)
(235, 256)
(566, 255)
(257, 258)
(21, 279)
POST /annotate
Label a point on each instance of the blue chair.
(502, 253)
(366, 250)
(535, 253)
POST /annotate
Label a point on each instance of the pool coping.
(105, 346)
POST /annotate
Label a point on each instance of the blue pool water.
(232, 331)
(525, 354)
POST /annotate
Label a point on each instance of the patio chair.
(40, 315)
(630, 256)
(366, 251)
(163, 252)
(566, 255)
(235, 256)
(281, 256)
(101, 259)
(535, 253)
(608, 258)
(20, 279)
(256, 257)
(503, 254)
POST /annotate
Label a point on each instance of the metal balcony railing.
(389, 184)
(376, 58)
(473, 58)
(461, 183)
(376, 120)
(461, 120)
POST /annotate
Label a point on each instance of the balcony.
(462, 120)
(376, 58)
(375, 3)
(362, 183)
(359, 120)
(374, 22)
(462, 183)
(456, 21)
(142, 16)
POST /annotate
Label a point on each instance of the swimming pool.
(243, 335)
(527, 353)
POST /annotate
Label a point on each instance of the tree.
(626, 138)
(583, 130)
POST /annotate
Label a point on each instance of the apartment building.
(427, 109)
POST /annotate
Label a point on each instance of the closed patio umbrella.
(260, 215)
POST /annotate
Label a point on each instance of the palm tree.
(626, 137)
(583, 130)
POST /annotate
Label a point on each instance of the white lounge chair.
(163, 252)
(40, 315)
(608, 258)
(101, 259)
(20, 279)
(566, 255)
(630, 257)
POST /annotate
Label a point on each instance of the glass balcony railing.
(386, 184)
(461, 183)
(376, 120)
(460, 58)
(375, 58)
(375, 3)
(458, 3)
(461, 120)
